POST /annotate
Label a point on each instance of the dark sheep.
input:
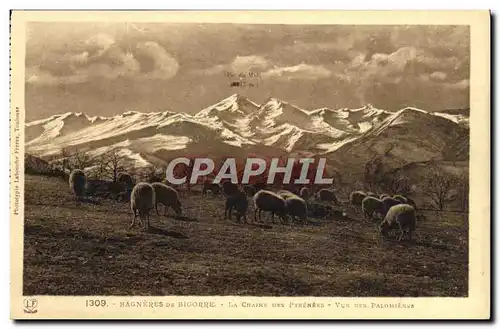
(388, 203)
(356, 198)
(249, 190)
(229, 188)
(209, 185)
(239, 202)
(125, 178)
(327, 195)
(77, 181)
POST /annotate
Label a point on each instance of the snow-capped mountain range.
(237, 126)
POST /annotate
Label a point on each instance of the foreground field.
(88, 250)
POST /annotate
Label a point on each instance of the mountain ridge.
(238, 126)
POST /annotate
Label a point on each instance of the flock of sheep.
(397, 213)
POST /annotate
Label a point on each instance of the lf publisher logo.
(30, 305)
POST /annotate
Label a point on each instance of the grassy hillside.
(88, 249)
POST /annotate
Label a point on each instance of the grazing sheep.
(318, 210)
(356, 198)
(388, 203)
(383, 196)
(229, 188)
(209, 185)
(142, 200)
(327, 195)
(402, 217)
(103, 187)
(304, 193)
(125, 179)
(168, 196)
(371, 205)
(400, 198)
(269, 201)
(77, 181)
(296, 207)
(238, 202)
(249, 190)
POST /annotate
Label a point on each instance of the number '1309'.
(95, 303)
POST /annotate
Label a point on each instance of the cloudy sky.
(107, 69)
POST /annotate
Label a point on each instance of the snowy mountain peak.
(232, 104)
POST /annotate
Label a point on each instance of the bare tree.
(438, 186)
(113, 164)
(66, 159)
(81, 160)
(75, 160)
(100, 169)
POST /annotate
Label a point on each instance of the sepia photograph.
(328, 163)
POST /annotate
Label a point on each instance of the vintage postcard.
(250, 165)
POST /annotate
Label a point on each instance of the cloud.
(407, 67)
(103, 58)
(301, 71)
(165, 65)
(124, 65)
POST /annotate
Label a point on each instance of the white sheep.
(305, 193)
(356, 198)
(402, 217)
(388, 203)
(142, 200)
(77, 181)
(265, 200)
(327, 195)
(168, 196)
(296, 207)
(239, 202)
(371, 205)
